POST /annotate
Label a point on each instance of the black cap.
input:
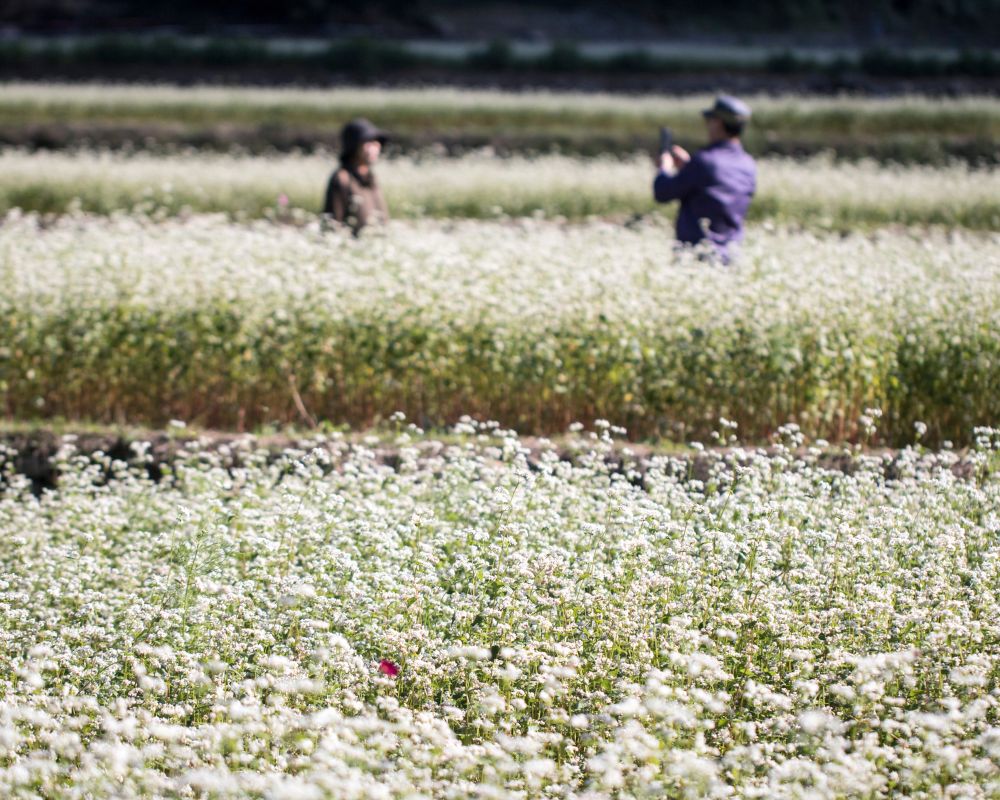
(729, 109)
(358, 131)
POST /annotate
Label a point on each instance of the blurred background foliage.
(951, 21)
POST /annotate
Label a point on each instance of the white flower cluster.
(530, 272)
(475, 624)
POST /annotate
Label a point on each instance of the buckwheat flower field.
(316, 572)
(608, 121)
(536, 324)
(816, 192)
(478, 619)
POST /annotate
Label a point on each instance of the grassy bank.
(533, 324)
(903, 128)
(814, 193)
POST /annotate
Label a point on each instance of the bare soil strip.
(35, 453)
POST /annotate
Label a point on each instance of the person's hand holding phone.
(679, 156)
(674, 159)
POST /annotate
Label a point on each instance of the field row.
(815, 193)
(468, 626)
(29, 102)
(531, 323)
(908, 127)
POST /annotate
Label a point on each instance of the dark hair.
(348, 159)
(733, 128)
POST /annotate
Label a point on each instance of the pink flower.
(283, 200)
(386, 667)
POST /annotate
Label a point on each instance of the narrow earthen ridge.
(33, 453)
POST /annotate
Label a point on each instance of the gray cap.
(729, 109)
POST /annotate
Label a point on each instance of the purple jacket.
(717, 184)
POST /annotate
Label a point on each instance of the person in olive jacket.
(353, 196)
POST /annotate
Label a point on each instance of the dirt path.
(32, 453)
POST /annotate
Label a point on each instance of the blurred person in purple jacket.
(715, 185)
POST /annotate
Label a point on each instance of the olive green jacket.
(354, 200)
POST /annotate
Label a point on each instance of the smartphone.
(666, 140)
